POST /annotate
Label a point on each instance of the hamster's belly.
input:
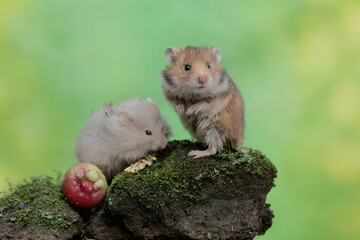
(206, 118)
(198, 125)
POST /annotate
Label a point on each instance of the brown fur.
(218, 118)
(197, 57)
(231, 120)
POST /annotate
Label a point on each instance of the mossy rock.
(221, 196)
(218, 197)
(36, 209)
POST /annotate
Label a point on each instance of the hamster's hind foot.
(200, 154)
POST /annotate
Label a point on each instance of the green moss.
(174, 179)
(154, 189)
(35, 203)
(248, 160)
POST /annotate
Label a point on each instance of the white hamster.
(117, 136)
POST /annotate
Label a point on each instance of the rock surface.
(37, 210)
(218, 197)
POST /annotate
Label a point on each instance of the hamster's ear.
(150, 100)
(108, 108)
(166, 128)
(170, 52)
(217, 54)
(125, 117)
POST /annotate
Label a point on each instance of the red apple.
(84, 185)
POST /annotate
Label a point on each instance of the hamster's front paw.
(179, 108)
(193, 109)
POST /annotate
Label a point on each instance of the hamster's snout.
(202, 79)
(159, 145)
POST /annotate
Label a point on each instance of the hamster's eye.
(208, 65)
(187, 67)
(148, 132)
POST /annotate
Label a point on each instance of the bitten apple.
(84, 185)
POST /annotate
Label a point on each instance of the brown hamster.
(209, 104)
(117, 136)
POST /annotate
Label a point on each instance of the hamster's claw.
(179, 108)
(193, 109)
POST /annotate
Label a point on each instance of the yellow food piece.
(139, 165)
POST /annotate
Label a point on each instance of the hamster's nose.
(202, 79)
(161, 146)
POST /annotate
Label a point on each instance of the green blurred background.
(297, 64)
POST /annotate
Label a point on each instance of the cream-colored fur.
(115, 137)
